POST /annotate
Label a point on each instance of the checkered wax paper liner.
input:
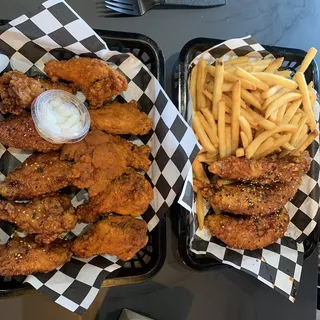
(55, 31)
(278, 265)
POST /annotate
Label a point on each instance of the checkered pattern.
(279, 265)
(55, 31)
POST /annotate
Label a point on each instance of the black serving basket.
(148, 261)
(292, 60)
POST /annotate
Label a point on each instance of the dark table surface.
(177, 292)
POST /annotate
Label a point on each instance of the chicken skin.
(19, 132)
(23, 256)
(121, 236)
(17, 91)
(262, 171)
(97, 80)
(130, 194)
(101, 157)
(46, 217)
(40, 174)
(248, 233)
(121, 118)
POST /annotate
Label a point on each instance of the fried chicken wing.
(249, 199)
(40, 174)
(23, 256)
(47, 217)
(121, 236)
(17, 91)
(263, 171)
(101, 157)
(121, 118)
(130, 194)
(98, 81)
(248, 233)
(19, 132)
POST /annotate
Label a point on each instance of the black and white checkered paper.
(55, 31)
(278, 265)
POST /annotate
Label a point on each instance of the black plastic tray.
(293, 59)
(148, 261)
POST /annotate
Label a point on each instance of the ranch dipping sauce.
(60, 117)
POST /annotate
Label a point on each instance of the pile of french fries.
(246, 107)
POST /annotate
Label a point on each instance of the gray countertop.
(177, 292)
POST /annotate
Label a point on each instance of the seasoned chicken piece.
(101, 157)
(20, 132)
(47, 217)
(23, 256)
(40, 174)
(98, 81)
(17, 91)
(248, 233)
(262, 171)
(121, 118)
(249, 199)
(121, 236)
(130, 194)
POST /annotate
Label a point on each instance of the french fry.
(238, 60)
(209, 86)
(199, 130)
(267, 94)
(310, 85)
(193, 88)
(208, 95)
(257, 95)
(244, 140)
(212, 135)
(273, 116)
(235, 114)
(254, 145)
(276, 104)
(246, 113)
(275, 65)
(292, 109)
(227, 86)
(222, 128)
(200, 210)
(277, 144)
(210, 119)
(269, 100)
(266, 124)
(223, 182)
(306, 99)
(274, 79)
(245, 127)
(296, 135)
(264, 147)
(249, 77)
(207, 157)
(307, 60)
(313, 99)
(217, 89)
(250, 99)
(198, 171)
(284, 73)
(307, 141)
(201, 78)
(228, 141)
(239, 152)
(280, 114)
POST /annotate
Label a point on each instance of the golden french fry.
(244, 140)
(201, 78)
(276, 104)
(253, 122)
(239, 152)
(296, 135)
(269, 100)
(237, 60)
(312, 136)
(198, 171)
(277, 144)
(284, 73)
(249, 77)
(307, 60)
(193, 87)
(302, 138)
(227, 86)
(273, 116)
(264, 147)
(254, 145)
(306, 99)
(235, 114)
(208, 103)
(207, 128)
(290, 112)
(257, 95)
(266, 124)
(250, 99)
(209, 86)
(280, 114)
(199, 130)
(212, 123)
(267, 94)
(275, 65)
(208, 95)
(222, 128)
(228, 141)
(200, 210)
(217, 89)
(245, 127)
(274, 79)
